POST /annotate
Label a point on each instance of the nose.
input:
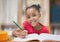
(31, 18)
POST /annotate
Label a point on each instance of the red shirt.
(31, 30)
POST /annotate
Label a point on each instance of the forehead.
(31, 10)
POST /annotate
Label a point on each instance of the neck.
(38, 27)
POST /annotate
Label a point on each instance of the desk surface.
(37, 41)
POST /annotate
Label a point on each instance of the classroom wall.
(1, 11)
(8, 12)
(9, 9)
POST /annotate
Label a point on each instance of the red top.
(31, 30)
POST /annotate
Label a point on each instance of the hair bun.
(38, 6)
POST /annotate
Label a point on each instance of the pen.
(17, 25)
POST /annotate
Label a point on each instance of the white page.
(45, 36)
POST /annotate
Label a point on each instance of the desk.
(50, 41)
(38, 41)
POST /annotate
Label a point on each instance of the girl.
(31, 25)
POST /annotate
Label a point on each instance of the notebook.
(41, 37)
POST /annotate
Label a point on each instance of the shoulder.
(45, 29)
(43, 26)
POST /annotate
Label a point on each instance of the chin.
(33, 25)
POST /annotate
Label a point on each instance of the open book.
(40, 37)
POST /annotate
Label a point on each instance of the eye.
(28, 17)
(34, 15)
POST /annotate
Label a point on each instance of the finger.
(25, 31)
(22, 36)
(18, 30)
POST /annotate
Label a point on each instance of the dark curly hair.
(37, 7)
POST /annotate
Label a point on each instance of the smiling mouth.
(33, 22)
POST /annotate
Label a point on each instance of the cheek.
(28, 20)
(37, 18)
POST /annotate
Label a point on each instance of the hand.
(16, 32)
(23, 34)
(19, 33)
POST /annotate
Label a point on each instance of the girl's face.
(32, 16)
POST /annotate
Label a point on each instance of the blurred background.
(13, 10)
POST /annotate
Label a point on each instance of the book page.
(29, 37)
(45, 36)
